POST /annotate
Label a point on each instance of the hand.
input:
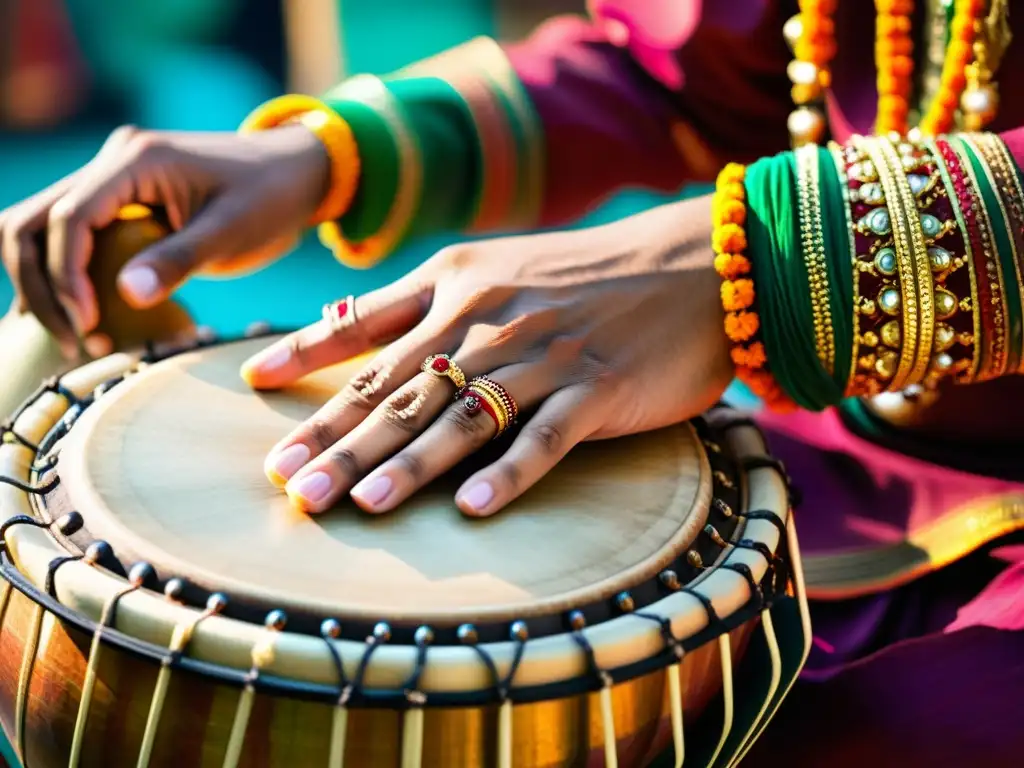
(603, 332)
(234, 201)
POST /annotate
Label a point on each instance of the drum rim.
(624, 644)
(85, 496)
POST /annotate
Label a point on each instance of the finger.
(376, 318)
(21, 252)
(218, 230)
(339, 466)
(456, 434)
(367, 391)
(563, 421)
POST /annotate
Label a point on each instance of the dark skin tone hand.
(234, 202)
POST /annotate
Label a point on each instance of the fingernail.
(373, 490)
(141, 283)
(283, 464)
(477, 497)
(313, 488)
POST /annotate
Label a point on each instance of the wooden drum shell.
(198, 714)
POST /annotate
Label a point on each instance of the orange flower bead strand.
(894, 63)
(941, 113)
(729, 241)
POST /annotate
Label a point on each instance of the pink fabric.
(875, 496)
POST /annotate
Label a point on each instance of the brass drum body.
(644, 600)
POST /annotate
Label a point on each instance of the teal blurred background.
(75, 69)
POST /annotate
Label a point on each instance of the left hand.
(600, 332)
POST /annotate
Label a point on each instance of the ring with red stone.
(488, 395)
(477, 400)
(340, 314)
(446, 368)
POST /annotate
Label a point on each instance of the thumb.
(155, 273)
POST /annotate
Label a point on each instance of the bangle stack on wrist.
(882, 265)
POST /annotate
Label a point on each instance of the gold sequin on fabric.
(812, 246)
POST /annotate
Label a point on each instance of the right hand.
(234, 202)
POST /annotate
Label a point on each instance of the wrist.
(324, 143)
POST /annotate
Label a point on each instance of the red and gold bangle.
(729, 242)
(952, 347)
(332, 131)
(991, 340)
(894, 63)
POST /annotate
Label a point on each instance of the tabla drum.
(163, 605)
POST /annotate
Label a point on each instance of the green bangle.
(443, 123)
(378, 156)
(783, 286)
(837, 233)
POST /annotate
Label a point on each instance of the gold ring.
(341, 314)
(446, 368)
(488, 395)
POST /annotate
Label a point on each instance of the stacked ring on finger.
(341, 314)
(444, 367)
(488, 395)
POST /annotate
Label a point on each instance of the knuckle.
(564, 350)
(404, 419)
(322, 434)
(510, 473)
(597, 372)
(352, 396)
(146, 146)
(473, 427)
(412, 465)
(63, 212)
(346, 462)
(454, 257)
(546, 436)
(122, 135)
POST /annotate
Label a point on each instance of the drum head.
(167, 467)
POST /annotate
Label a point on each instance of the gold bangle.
(371, 91)
(905, 265)
(812, 245)
(333, 132)
(923, 281)
(836, 151)
(995, 363)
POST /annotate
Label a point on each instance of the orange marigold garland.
(895, 64)
(729, 241)
(959, 54)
